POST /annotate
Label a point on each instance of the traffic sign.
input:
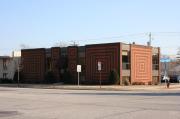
(165, 60)
(99, 66)
(78, 68)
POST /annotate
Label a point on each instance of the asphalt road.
(26, 103)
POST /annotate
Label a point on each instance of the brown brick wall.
(55, 56)
(33, 63)
(72, 61)
(108, 54)
(141, 64)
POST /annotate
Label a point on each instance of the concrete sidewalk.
(97, 87)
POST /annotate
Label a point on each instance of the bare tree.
(178, 55)
(73, 43)
(60, 44)
(24, 46)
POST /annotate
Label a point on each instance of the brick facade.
(141, 64)
(33, 63)
(108, 55)
(55, 58)
(72, 62)
(60, 60)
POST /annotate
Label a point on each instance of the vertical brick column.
(55, 56)
(72, 61)
(120, 65)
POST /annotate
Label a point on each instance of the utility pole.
(150, 39)
(74, 43)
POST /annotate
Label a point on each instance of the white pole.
(100, 78)
(78, 79)
(18, 74)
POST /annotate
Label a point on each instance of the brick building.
(133, 63)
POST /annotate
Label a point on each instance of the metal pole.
(166, 73)
(18, 74)
(100, 79)
(78, 79)
(150, 38)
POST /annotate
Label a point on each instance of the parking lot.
(29, 103)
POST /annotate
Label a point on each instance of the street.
(30, 103)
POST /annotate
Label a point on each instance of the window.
(125, 60)
(49, 64)
(5, 64)
(4, 75)
(155, 61)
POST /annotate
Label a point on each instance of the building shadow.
(130, 94)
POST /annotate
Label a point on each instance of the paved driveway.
(27, 103)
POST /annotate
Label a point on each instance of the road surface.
(29, 103)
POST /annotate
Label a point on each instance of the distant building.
(172, 67)
(133, 63)
(8, 65)
(175, 70)
(178, 56)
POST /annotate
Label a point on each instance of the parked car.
(172, 78)
(178, 78)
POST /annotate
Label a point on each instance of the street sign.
(78, 68)
(165, 60)
(166, 78)
(99, 66)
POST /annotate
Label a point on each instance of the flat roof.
(3, 57)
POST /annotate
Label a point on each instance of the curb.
(103, 88)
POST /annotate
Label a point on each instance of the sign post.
(18, 69)
(78, 70)
(165, 61)
(18, 75)
(99, 69)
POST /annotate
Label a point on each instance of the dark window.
(49, 64)
(155, 60)
(5, 64)
(125, 60)
(4, 75)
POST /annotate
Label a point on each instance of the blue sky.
(42, 23)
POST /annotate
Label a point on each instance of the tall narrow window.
(5, 64)
(125, 60)
(155, 61)
(4, 75)
(49, 64)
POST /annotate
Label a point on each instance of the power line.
(146, 34)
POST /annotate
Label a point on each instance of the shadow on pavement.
(129, 94)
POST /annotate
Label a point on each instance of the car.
(178, 78)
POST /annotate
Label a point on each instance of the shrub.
(3, 81)
(149, 83)
(114, 77)
(138, 83)
(67, 77)
(126, 82)
(49, 77)
(15, 78)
